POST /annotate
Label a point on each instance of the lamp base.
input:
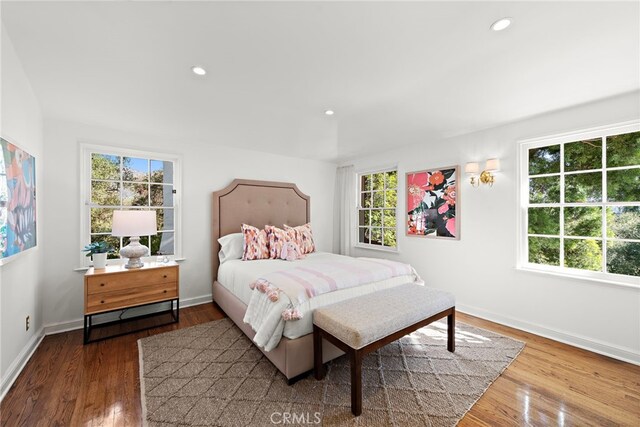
(133, 252)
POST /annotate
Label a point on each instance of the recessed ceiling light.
(501, 24)
(198, 70)
(329, 112)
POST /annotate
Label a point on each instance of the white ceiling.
(395, 73)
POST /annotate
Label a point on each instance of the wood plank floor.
(68, 384)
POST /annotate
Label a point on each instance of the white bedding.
(236, 275)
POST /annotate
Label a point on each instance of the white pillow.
(230, 247)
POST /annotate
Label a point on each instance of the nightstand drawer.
(124, 298)
(125, 280)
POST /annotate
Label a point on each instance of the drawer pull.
(101, 284)
(102, 302)
(165, 276)
(165, 291)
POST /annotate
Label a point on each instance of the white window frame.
(86, 150)
(356, 232)
(522, 262)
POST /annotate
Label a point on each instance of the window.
(581, 204)
(377, 217)
(123, 180)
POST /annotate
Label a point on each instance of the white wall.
(206, 167)
(480, 268)
(21, 277)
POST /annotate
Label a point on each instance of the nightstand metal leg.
(86, 329)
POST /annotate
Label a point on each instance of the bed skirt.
(292, 357)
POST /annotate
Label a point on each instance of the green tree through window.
(583, 209)
(122, 182)
(378, 199)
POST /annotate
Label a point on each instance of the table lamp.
(134, 224)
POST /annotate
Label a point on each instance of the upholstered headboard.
(256, 203)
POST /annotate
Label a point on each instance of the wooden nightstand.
(117, 288)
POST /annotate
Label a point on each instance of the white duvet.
(237, 275)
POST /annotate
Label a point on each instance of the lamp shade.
(493, 165)
(472, 168)
(134, 223)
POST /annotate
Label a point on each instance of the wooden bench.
(364, 324)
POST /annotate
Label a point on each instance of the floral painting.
(17, 200)
(432, 203)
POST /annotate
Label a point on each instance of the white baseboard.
(626, 354)
(190, 302)
(71, 325)
(19, 362)
(56, 328)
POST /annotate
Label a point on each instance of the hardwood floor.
(68, 384)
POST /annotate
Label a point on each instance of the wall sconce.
(486, 176)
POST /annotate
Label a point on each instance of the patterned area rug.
(212, 375)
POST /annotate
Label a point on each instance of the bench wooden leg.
(318, 366)
(451, 331)
(356, 381)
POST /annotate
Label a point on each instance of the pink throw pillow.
(276, 238)
(303, 237)
(255, 245)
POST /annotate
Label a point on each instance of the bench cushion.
(362, 320)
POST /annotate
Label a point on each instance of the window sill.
(377, 248)
(623, 281)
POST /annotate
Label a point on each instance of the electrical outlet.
(27, 322)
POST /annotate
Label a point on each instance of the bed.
(261, 203)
